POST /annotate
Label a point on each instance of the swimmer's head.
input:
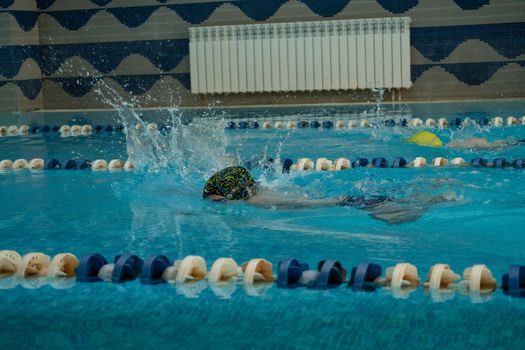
(232, 183)
(425, 138)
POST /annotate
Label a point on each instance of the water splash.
(379, 93)
(188, 149)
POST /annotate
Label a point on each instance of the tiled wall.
(60, 54)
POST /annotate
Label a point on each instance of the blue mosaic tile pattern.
(105, 57)
(6, 3)
(12, 58)
(475, 73)
(133, 84)
(196, 13)
(325, 9)
(437, 43)
(433, 43)
(30, 87)
(471, 4)
(469, 73)
(26, 19)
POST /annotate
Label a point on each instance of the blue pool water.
(161, 212)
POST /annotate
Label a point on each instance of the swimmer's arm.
(479, 143)
(272, 202)
(469, 143)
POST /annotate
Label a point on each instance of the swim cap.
(425, 138)
(233, 183)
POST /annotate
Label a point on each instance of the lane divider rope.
(288, 165)
(69, 164)
(366, 123)
(75, 130)
(401, 279)
(324, 164)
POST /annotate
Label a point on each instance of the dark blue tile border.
(196, 13)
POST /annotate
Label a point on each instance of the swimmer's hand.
(216, 198)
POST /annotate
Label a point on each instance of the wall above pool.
(60, 54)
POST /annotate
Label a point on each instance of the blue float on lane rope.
(478, 162)
(390, 122)
(52, 164)
(88, 268)
(85, 164)
(315, 124)
(127, 268)
(154, 267)
(399, 162)
(380, 163)
(500, 163)
(360, 163)
(332, 274)
(290, 270)
(70, 164)
(302, 124)
(518, 163)
(456, 122)
(364, 275)
(513, 282)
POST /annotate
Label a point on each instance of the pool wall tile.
(57, 54)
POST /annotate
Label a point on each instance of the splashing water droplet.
(190, 150)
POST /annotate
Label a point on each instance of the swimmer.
(236, 183)
(429, 139)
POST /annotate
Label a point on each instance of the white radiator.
(301, 56)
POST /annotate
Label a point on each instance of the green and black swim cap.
(233, 183)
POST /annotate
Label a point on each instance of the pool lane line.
(477, 281)
(339, 164)
(75, 130)
(38, 164)
(363, 123)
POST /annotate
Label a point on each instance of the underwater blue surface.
(161, 212)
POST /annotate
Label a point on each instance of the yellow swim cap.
(425, 138)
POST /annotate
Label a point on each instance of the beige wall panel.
(8, 101)
(5, 29)
(21, 37)
(417, 58)
(24, 5)
(474, 51)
